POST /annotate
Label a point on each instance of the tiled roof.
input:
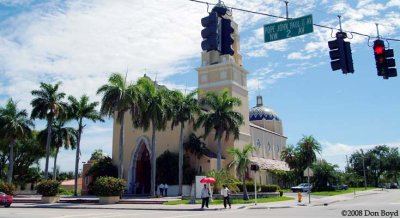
(269, 164)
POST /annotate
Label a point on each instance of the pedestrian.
(205, 196)
(225, 192)
(161, 187)
(165, 189)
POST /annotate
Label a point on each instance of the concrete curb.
(114, 208)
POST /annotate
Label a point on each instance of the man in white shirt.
(161, 189)
(205, 196)
(165, 189)
(225, 192)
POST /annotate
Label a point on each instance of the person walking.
(225, 192)
(165, 189)
(161, 187)
(205, 196)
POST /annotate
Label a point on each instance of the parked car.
(340, 187)
(5, 199)
(303, 187)
(394, 185)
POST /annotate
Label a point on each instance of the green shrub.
(48, 188)
(7, 188)
(269, 188)
(62, 191)
(249, 186)
(109, 186)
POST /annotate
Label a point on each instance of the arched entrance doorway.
(143, 169)
(140, 169)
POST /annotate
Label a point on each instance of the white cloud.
(299, 56)
(336, 152)
(335, 149)
(81, 43)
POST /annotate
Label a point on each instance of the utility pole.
(365, 177)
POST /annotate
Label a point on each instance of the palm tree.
(14, 125)
(47, 105)
(183, 109)
(119, 97)
(290, 155)
(308, 147)
(221, 117)
(155, 112)
(62, 136)
(79, 110)
(242, 161)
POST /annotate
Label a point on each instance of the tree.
(290, 156)
(324, 174)
(14, 125)
(80, 110)
(184, 107)
(119, 97)
(155, 112)
(47, 105)
(195, 146)
(308, 147)
(242, 161)
(221, 117)
(61, 136)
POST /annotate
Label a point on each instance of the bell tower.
(224, 71)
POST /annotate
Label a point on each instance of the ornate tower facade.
(225, 72)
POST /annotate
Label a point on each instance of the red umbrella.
(208, 180)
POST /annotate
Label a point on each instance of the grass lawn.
(234, 201)
(339, 192)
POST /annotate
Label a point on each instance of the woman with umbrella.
(205, 192)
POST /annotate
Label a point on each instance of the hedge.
(270, 188)
(262, 188)
(109, 186)
(48, 188)
(7, 188)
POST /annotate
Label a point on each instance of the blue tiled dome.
(261, 112)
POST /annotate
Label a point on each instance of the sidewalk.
(196, 207)
(314, 202)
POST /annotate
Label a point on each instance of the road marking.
(83, 215)
(129, 214)
(203, 213)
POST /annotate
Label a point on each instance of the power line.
(281, 17)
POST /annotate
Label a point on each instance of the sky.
(80, 43)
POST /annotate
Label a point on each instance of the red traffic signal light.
(384, 59)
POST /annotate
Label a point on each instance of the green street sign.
(288, 28)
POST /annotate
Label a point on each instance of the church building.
(262, 127)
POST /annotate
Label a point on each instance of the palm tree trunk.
(55, 164)
(121, 147)
(48, 141)
(245, 195)
(11, 161)
(219, 154)
(153, 161)
(78, 143)
(180, 161)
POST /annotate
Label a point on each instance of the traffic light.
(221, 11)
(384, 58)
(391, 63)
(226, 37)
(340, 54)
(210, 33)
(379, 52)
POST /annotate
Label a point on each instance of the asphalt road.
(363, 206)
